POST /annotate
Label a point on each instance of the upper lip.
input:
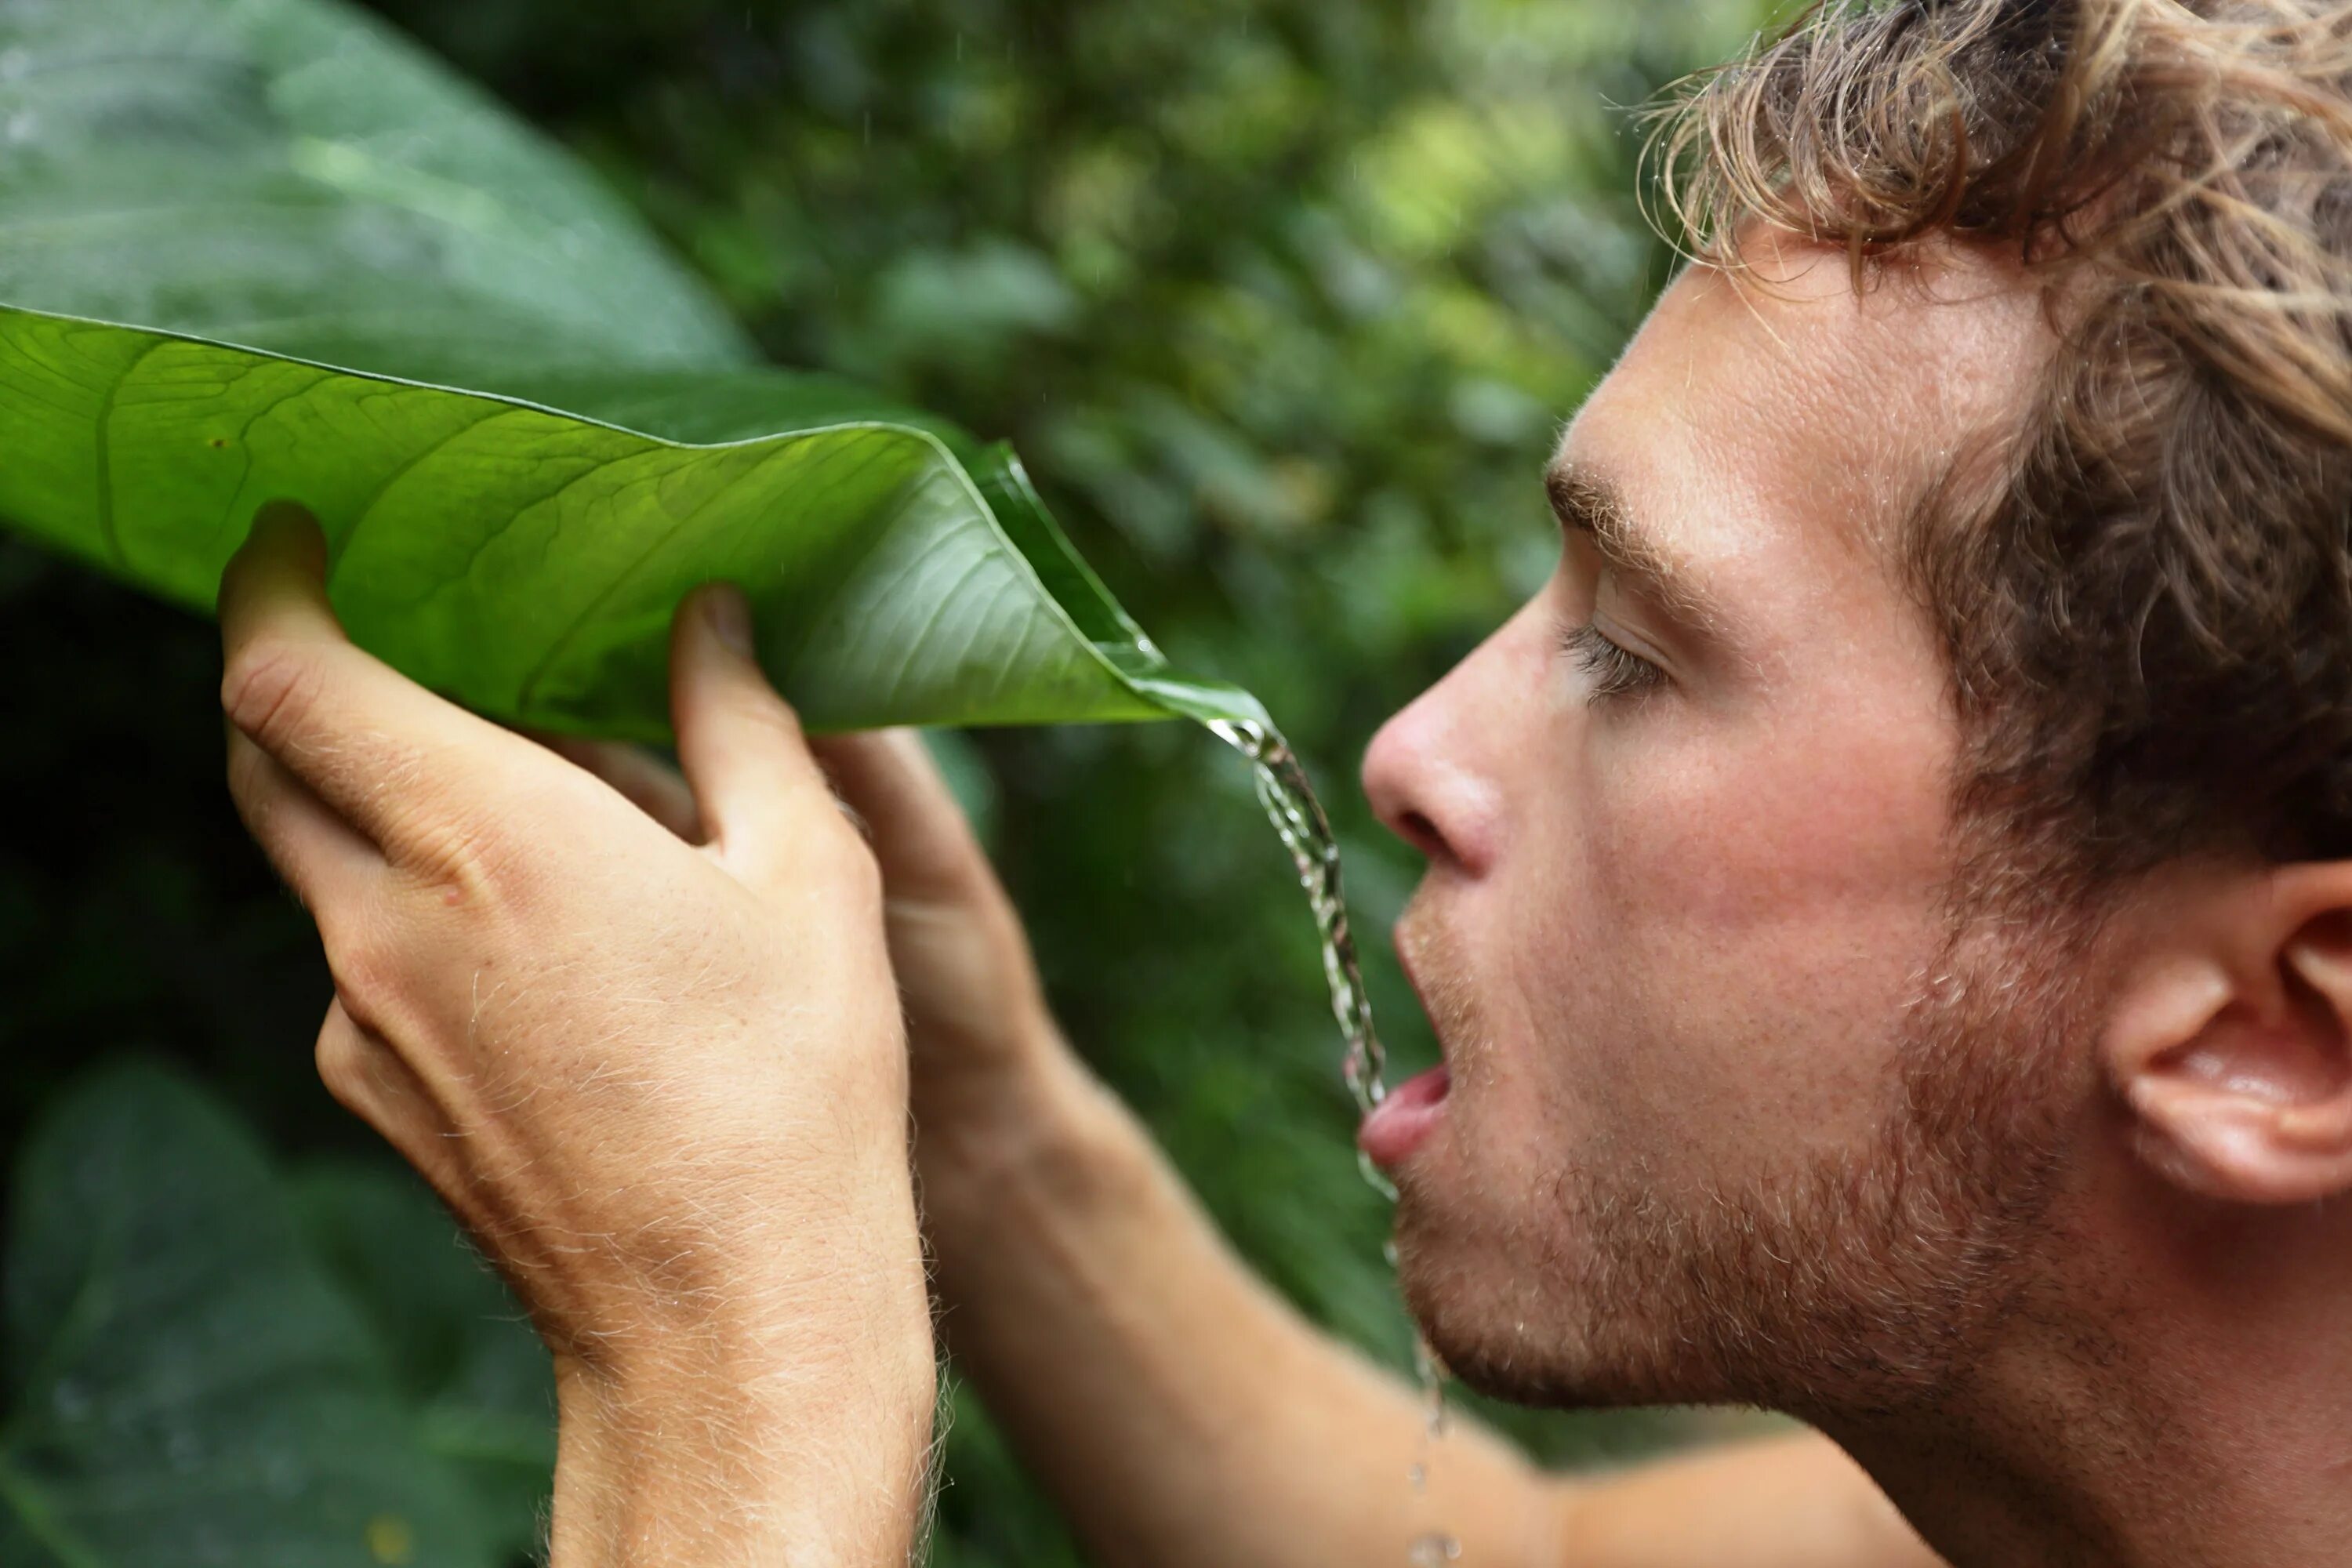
(1401, 940)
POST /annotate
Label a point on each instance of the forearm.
(1182, 1413)
(1795, 1501)
(785, 1421)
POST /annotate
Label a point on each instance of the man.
(1889, 925)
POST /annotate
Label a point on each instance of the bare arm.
(1182, 1414)
(663, 1082)
(1784, 1502)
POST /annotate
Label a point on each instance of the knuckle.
(484, 839)
(458, 862)
(268, 688)
(346, 1066)
(464, 848)
(367, 970)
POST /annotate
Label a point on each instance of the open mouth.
(1405, 1119)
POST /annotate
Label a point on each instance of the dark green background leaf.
(463, 1353)
(186, 1389)
(296, 177)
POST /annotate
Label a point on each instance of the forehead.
(1773, 429)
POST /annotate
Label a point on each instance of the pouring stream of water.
(1299, 820)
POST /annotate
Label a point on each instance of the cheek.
(1729, 926)
(1788, 832)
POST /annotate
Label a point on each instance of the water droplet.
(1431, 1371)
(1434, 1549)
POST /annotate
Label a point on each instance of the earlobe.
(2223, 1141)
(2232, 1038)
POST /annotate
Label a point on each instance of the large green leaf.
(288, 177)
(186, 1388)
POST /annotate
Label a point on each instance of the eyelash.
(1614, 671)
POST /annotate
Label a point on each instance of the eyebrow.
(1586, 502)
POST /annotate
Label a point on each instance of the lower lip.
(1403, 1120)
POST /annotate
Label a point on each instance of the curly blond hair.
(2145, 586)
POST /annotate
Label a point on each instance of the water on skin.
(1299, 820)
(1435, 1548)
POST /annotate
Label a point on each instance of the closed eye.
(1614, 672)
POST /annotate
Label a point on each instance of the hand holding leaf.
(663, 1083)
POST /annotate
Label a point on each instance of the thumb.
(277, 575)
(756, 787)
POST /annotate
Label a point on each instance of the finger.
(641, 778)
(920, 836)
(328, 867)
(351, 728)
(368, 1078)
(756, 787)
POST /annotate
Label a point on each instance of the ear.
(2231, 1038)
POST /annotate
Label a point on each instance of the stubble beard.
(1858, 1286)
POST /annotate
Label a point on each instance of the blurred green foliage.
(1283, 303)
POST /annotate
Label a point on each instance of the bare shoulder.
(1792, 1501)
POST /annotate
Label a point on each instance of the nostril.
(1420, 832)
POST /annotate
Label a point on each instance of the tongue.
(1394, 1128)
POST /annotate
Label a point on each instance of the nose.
(1391, 781)
(1429, 773)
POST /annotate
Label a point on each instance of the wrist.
(766, 1397)
(1017, 1182)
(1026, 1111)
(724, 1450)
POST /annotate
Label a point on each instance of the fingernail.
(728, 616)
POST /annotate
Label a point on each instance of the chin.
(1502, 1333)
(1483, 1278)
(1517, 1285)
(1491, 1335)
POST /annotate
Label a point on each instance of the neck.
(2181, 1395)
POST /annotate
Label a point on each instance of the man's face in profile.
(1737, 1100)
